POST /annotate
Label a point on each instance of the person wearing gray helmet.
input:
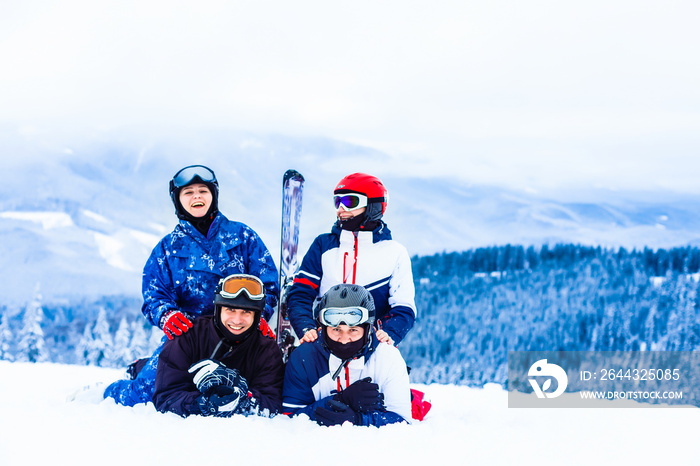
(347, 374)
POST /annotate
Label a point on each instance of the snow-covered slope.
(79, 215)
(466, 426)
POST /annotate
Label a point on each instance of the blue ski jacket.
(185, 267)
(368, 258)
(309, 383)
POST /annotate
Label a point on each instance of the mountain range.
(79, 214)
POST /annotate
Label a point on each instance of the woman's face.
(196, 199)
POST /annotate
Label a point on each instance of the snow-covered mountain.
(80, 214)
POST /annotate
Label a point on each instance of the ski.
(292, 187)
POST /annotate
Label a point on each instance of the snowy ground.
(466, 427)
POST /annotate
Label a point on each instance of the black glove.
(222, 401)
(337, 414)
(362, 396)
(248, 406)
(209, 373)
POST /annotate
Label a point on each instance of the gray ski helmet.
(346, 295)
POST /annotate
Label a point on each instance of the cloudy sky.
(534, 94)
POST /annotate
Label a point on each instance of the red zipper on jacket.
(347, 378)
(354, 265)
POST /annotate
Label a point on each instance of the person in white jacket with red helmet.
(358, 250)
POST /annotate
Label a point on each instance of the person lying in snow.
(223, 365)
(347, 374)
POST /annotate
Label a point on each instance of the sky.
(539, 95)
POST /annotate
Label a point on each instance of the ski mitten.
(209, 373)
(221, 402)
(337, 413)
(265, 329)
(362, 395)
(248, 405)
(175, 324)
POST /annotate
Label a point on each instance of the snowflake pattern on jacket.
(185, 267)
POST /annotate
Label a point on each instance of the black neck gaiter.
(344, 351)
(202, 224)
(358, 223)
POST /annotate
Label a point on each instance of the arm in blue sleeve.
(399, 321)
(380, 418)
(159, 296)
(261, 264)
(298, 397)
(309, 409)
(304, 291)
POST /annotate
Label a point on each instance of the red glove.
(265, 329)
(176, 324)
(420, 404)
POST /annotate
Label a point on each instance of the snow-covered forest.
(474, 307)
(478, 305)
(109, 333)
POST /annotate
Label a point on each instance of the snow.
(466, 425)
(97, 217)
(48, 220)
(110, 248)
(117, 249)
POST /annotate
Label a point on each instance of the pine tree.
(31, 345)
(82, 349)
(122, 354)
(139, 342)
(6, 340)
(102, 344)
(155, 339)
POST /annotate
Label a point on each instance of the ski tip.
(293, 174)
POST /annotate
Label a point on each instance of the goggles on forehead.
(350, 316)
(233, 285)
(187, 174)
(350, 201)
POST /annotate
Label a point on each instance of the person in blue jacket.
(347, 374)
(223, 365)
(358, 250)
(182, 272)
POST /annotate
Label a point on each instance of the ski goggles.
(233, 285)
(350, 316)
(350, 201)
(187, 174)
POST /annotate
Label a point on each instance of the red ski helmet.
(370, 186)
